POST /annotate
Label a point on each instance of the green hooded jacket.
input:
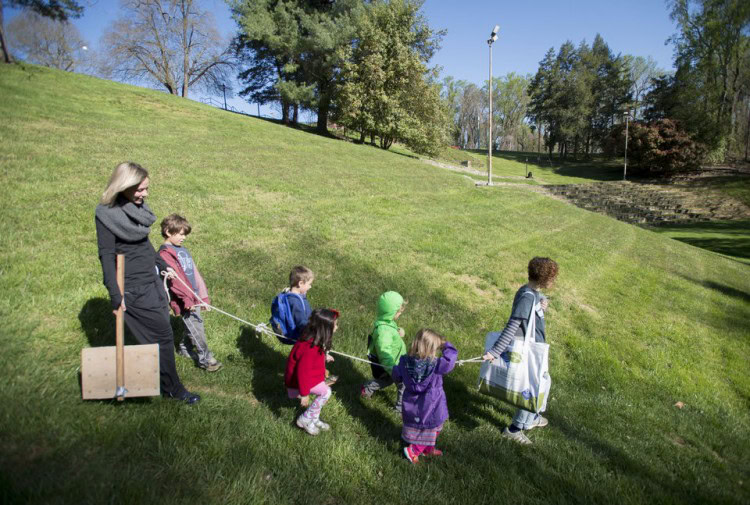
(386, 343)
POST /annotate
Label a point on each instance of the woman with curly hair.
(542, 275)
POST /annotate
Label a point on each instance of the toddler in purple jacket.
(425, 409)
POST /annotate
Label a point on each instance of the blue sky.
(527, 31)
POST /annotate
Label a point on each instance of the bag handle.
(531, 325)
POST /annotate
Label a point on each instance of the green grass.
(729, 238)
(735, 186)
(637, 322)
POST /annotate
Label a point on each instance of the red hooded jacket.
(180, 296)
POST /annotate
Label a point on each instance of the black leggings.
(147, 318)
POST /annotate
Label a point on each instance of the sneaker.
(308, 425)
(539, 422)
(434, 452)
(322, 426)
(213, 361)
(213, 368)
(184, 396)
(413, 458)
(364, 394)
(518, 436)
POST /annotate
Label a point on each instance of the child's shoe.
(434, 452)
(517, 436)
(539, 422)
(321, 425)
(364, 394)
(308, 425)
(214, 367)
(413, 458)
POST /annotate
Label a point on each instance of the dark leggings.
(147, 318)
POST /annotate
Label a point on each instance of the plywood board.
(98, 371)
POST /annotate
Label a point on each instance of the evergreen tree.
(386, 89)
(293, 46)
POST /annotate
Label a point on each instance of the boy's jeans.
(195, 338)
(524, 419)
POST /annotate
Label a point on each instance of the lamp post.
(625, 170)
(493, 38)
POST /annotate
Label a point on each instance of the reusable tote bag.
(520, 376)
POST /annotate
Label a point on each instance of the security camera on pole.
(493, 38)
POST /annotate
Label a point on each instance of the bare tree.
(44, 41)
(59, 10)
(172, 43)
(642, 72)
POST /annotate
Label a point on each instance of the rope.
(260, 327)
(478, 359)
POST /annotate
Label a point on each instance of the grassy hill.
(637, 322)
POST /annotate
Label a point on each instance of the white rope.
(478, 359)
(260, 327)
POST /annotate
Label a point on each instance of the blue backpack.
(281, 316)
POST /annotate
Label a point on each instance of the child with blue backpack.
(290, 309)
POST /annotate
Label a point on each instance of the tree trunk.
(185, 54)
(295, 115)
(285, 112)
(323, 107)
(372, 138)
(747, 136)
(362, 137)
(6, 52)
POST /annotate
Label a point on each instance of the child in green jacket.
(385, 346)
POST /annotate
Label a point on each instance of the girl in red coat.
(306, 368)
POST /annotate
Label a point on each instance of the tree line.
(364, 65)
(575, 103)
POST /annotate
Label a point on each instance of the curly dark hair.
(319, 329)
(543, 271)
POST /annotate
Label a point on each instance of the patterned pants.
(322, 392)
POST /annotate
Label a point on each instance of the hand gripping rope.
(265, 330)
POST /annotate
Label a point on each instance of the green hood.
(388, 304)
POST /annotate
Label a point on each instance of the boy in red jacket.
(174, 229)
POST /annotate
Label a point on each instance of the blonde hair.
(300, 274)
(426, 344)
(124, 176)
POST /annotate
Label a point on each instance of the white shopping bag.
(521, 375)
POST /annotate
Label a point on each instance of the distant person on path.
(123, 221)
(542, 275)
(174, 229)
(385, 346)
(425, 409)
(306, 368)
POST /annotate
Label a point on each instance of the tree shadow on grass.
(721, 288)
(732, 238)
(658, 483)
